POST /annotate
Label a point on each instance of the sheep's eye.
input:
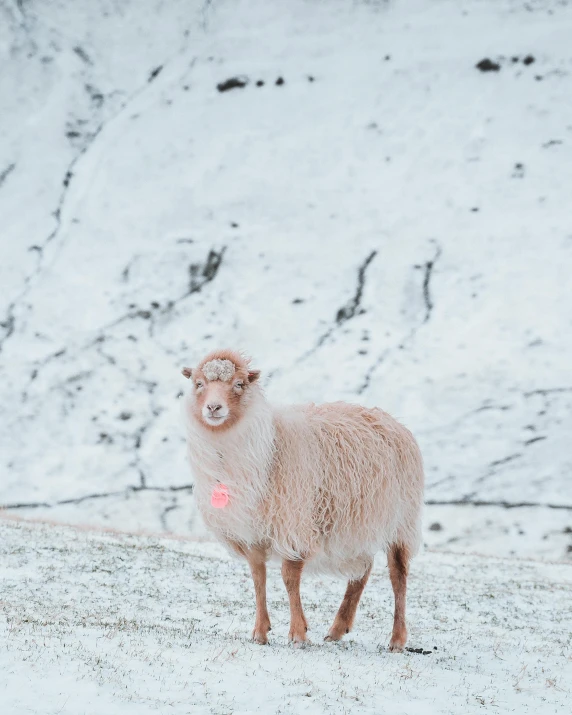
(239, 385)
(199, 384)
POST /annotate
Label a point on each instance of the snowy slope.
(97, 623)
(389, 225)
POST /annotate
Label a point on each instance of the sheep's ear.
(253, 375)
(187, 372)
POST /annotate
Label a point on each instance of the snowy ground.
(390, 225)
(96, 623)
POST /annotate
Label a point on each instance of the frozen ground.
(389, 224)
(94, 623)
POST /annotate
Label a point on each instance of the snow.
(94, 622)
(387, 225)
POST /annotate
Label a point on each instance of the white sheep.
(323, 486)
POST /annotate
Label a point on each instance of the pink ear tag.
(219, 496)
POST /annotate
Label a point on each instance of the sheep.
(322, 487)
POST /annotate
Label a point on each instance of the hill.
(375, 207)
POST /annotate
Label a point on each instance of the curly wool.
(219, 370)
(331, 484)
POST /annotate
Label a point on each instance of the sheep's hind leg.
(257, 562)
(398, 562)
(346, 614)
(291, 575)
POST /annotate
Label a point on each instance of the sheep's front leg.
(257, 562)
(291, 575)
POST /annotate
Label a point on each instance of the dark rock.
(435, 526)
(528, 60)
(82, 54)
(279, 81)
(487, 65)
(232, 83)
(200, 274)
(154, 73)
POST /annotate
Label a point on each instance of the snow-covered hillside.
(96, 623)
(371, 216)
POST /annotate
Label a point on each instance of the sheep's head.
(222, 384)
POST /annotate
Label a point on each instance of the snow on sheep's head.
(222, 386)
(219, 370)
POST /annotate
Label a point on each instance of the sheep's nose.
(213, 408)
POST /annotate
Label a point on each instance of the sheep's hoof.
(298, 640)
(396, 645)
(333, 637)
(336, 633)
(260, 638)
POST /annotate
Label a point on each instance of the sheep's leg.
(291, 575)
(346, 614)
(257, 562)
(398, 562)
